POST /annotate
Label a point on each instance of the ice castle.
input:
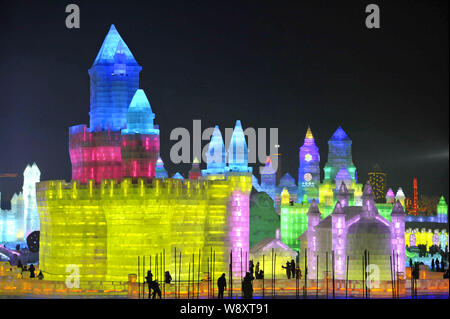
(121, 202)
(23, 218)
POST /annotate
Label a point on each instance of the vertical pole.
(231, 274)
(241, 265)
(346, 279)
(326, 273)
(392, 278)
(164, 270)
(179, 277)
(305, 286)
(189, 280)
(175, 274)
(398, 281)
(198, 274)
(363, 279)
(332, 263)
(370, 282)
(207, 274)
(317, 276)
(193, 276)
(264, 273)
(143, 276)
(214, 269)
(139, 277)
(274, 275)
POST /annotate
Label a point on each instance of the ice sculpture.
(268, 179)
(309, 170)
(339, 154)
(160, 170)
(215, 156)
(238, 151)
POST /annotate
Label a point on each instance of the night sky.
(269, 64)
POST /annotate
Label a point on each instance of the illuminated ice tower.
(339, 154)
(140, 140)
(269, 179)
(309, 171)
(95, 152)
(238, 151)
(114, 80)
(442, 211)
(215, 156)
(31, 176)
(377, 179)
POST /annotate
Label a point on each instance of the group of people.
(31, 269)
(292, 271)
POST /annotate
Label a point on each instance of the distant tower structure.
(390, 196)
(268, 179)
(414, 206)
(140, 140)
(195, 171)
(238, 151)
(160, 170)
(215, 156)
(416, 197)
(442, 211)
(339, 154)
(400, 196)
(378, 180)
(277, 155)
(309, 170)
(31, 176)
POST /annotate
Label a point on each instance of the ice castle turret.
(442, 211)
(309, 170)
(195, 171)
(140, 140)
(268, 179)
(339, 154)
(215, 156)
(400, 196)
(114, 80)
(31, 176)
(140, 116)
(343, 195)
(238, 151)
(160, 170)
(390, 196)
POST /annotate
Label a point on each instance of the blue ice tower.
(238, 151)
(114, 78)
(140, 116)
(215, 156)
(339, 154)
(160, 171)
(269, 179)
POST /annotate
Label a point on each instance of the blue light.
(110, 46)
(215, 156)
(140, 116)
(114, 80)
(238, 151)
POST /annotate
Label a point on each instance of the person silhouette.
(40, 275)
(293, 268)
(32, 270)
(167, 277)
(251, 267)
(152, 285)
(247, 286)
(222, 285)
(288, 269)
(257, 270)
